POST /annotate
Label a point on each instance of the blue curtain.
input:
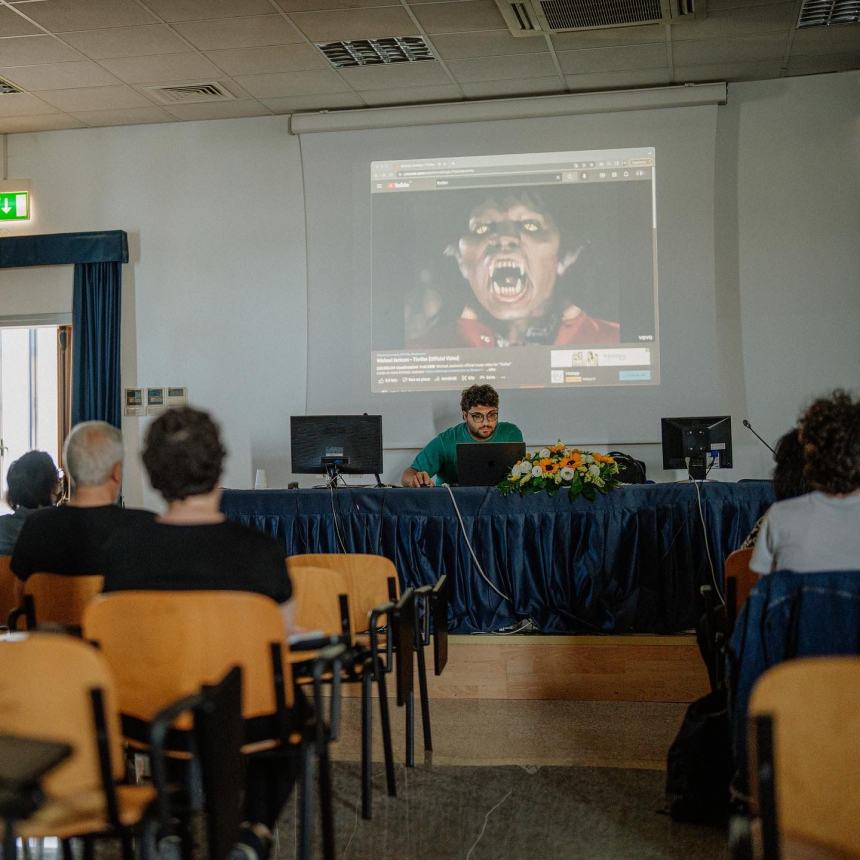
(96, 318)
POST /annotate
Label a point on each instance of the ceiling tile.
(500, 68)
(728, 71)
(58, 76)
(327, 5)
(596, 60)
(728, 50)
(128, 116)
(12, 24)
(489, 43)
(240, 32)
(126, 41)
(815, 40)
(412, 95)
(398, 75)
(276, 58)
(63, 15)
(459, 16)
(218, 110)
(162, 67)
(93, 98)
(200, 10)
(292, 84)
(812, 65)
(603, 37)
(355, 24)
(23, 104)
(618, 80)
(32, 50)
(847, 36)
(46, 122)
(745, 21)
(532, 86)
(322, 101)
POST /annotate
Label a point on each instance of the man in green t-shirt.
(438, 459)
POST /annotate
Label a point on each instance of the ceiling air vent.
(376, 52)
(210, 91)
(6, 88)
(824, 13)
(533, 17)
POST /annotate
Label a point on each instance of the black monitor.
(336, 444)
(697, 444)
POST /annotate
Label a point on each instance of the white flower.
(566, 473)
(536, 471)
(543, 453)
(524, 467)
(594, 470)
(587, 458)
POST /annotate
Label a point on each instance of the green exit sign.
(14, 205)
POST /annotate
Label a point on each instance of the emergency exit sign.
(14, 205)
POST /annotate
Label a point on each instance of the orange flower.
(558, 448)
(553, 468)
(544, 463)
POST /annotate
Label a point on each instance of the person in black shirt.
(33, 483)
(69, 539)
(191, 546)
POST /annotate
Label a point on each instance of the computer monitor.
(336, 444)
(697, 444)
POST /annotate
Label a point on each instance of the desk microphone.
(750, 428)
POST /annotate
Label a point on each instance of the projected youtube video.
(522, 271)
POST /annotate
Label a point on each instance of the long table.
(631, 561)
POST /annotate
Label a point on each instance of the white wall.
(215, 292)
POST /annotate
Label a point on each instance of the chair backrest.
(740, 580)
(60, 599)
(369, 577)
(163, 645)
(46, 684)
(317, 595)
(815, 705)
(8, 600)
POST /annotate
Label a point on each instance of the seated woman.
(193, 546)
(788, 478)
(32, 483)
(820, 530)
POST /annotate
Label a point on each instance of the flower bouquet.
(584, 473)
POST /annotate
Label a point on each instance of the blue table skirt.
(631, 561)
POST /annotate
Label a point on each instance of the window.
(34, 393)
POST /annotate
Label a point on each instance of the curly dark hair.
(830, 433)
(183, 453)
(32, 481)
(478, 395)
(788, 477)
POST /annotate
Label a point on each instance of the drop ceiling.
(81, 63)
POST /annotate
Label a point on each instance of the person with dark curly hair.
(68, 539)
(819, 530)
(32, 482)
(438, 459)
(789, 480)
(192, 546)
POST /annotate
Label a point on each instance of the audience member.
(69, 539)
(819, 530)
(788, 478)
(32, 483)
(192, 546)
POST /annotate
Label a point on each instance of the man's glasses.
(481, 418)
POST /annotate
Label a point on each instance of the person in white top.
(819, 530)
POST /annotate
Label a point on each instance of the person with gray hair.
(69, 539)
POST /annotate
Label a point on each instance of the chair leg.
(425, 699)
(10, 849)
(410, 729)
(68, 854)
(385, 721)
(366, 744)
(89, 848)
(127, 848)
(326, 810)
(306, 806)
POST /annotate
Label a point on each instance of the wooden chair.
(58, 688)
(740, 581)
(54, 598)
(8, 595)
(804, 720)
(163, 645)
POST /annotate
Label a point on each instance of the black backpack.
(699, 765)
(630, 470)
